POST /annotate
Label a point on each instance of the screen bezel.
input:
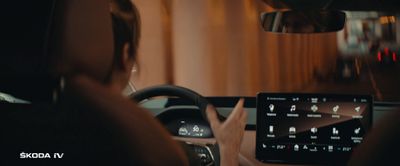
(305, 158)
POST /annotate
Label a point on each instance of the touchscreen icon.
(292, 130)
(330, 148)
(271, 108)
(335, 109)
(357, 131)
(293, 108)
(296, 147)
(357, 109)
(314, 108)
(271, 129)
(335, 131)
(314, 130)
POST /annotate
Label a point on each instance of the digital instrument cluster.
(193, 130)
(190, 128)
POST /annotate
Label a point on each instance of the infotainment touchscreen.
(310, 128)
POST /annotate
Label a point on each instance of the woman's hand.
(229, 134)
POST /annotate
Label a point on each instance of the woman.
(97, 70)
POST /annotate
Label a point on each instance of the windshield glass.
(220, 49)
(371, 40)
(367, 59)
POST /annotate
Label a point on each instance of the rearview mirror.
(310, 21)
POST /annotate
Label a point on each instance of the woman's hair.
(126, 27)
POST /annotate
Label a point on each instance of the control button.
(292, 130)
(357, 109)
(357, 131)
(271, 107)
(314, 108)
(335, 131)
(293, 108)
(335, 109)
(330, 148)
(271, 129)
(314, 130)
(203, 154)
(305, 147)
(264, 146)
(296, 147)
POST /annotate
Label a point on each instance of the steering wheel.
(208, 154)
(177, 91)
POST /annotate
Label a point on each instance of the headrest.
(24, 32)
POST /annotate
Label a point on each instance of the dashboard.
(185, 122)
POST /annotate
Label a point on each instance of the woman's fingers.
(243, 118)
(238, 115)
(238, 110)
(212, 117)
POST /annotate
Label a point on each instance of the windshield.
(368, 57)
(220, 49)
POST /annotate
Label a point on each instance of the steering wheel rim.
(177, 91)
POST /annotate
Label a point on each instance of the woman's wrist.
(229, 156)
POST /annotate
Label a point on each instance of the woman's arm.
(229, 134)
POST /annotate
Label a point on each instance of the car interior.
(304, 107)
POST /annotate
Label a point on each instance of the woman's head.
(98, 38)
(126, 30)
(126, 26)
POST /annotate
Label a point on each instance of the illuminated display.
(307, 128)
(193, 130)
